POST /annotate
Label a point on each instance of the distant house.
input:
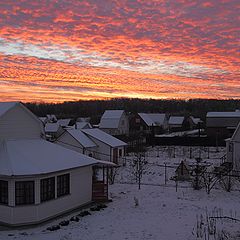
(196, 122)
(148, 123)
(53, 130)
(114, 122)
(222, 125)
(38, 179)
(233, 149)
(175, 123)
(109, 148)
(78, 141)
(51, 118)
(44, 120)
(180, 123)
(64, 122)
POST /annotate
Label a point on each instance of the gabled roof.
(104, 137)
(38, 156)
(153, 119)
(176, 120)
(111, 118)
(80, 125)
(82, 138)
(5, 106)
(224, 114)
(51, 127)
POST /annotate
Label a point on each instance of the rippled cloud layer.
(62, 50)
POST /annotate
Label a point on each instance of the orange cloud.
(68, 50)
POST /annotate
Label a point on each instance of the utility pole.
(197, 172)
(165, 172)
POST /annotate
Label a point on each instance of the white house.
(38, 179)
(233, 149)
(115, 122)
(78, 141)
(108, 148)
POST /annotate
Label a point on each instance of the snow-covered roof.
(111, 118)
(5, 106)
(64, 122)
(80, 125)
(196, 120)
(153, 119)
(51, 127)
(175, 120)
(82, 138)
(224, 114)
(38, 156)
(112, 113)
(104, 137)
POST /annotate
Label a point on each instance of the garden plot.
(163, 161)
(157, 211)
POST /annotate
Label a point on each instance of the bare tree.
(112, 174)
(138, 166)
(209, 180)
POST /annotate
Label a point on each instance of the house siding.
(222, 122)
(66, 140)
(80, 194)
(103, 151)
(17, 123)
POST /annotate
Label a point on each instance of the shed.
(183, 171)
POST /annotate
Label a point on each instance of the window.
(137, 120)
(47, 189)
(24, 192)
(3, 192)
(63, 185)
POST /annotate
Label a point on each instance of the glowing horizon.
(68, 50)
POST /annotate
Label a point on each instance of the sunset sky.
(64, 50)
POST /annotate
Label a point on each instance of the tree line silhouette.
(95, 108)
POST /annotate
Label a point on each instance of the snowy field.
(157, 211)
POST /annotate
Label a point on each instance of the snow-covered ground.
(162, 212)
